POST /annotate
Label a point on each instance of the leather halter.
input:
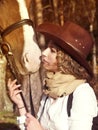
(16, 25)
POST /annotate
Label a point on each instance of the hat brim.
(75, 54)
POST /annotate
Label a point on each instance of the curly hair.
(69, 66)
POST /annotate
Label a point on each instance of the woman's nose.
(45, 52)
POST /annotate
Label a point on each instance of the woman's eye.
(53, 50)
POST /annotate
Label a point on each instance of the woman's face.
(49, 59)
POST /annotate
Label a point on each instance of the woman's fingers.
(32, 123)
(14, 91)
(11, 83)
(28, 115)
(29, 118)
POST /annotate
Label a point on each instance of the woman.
(67, 71)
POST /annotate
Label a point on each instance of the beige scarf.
(59, 84)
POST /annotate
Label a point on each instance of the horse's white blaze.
(31, 51)
(23, 10)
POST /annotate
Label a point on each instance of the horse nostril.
(26, 59)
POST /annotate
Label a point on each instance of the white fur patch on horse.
(31, 51)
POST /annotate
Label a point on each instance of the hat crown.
(78, 38)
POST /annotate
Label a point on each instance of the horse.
(21, 49)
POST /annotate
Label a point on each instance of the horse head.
(19, 33)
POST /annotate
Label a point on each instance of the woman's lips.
(44, 61)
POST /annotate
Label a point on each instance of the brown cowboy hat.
(72, 38)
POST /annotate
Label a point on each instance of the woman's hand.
(32, 123)
(14, 92)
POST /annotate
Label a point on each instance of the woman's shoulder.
(84, 92)
(84, 97)
(84, 88)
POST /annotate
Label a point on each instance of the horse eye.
(6, 49)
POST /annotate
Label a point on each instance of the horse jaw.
(31, 51)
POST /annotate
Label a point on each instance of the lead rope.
(43, 109)
(31, 101)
